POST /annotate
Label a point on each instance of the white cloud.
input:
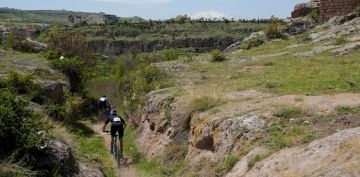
(212, 14)
(138, 2)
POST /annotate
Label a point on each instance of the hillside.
(52, 16)
(277, 98)
(284, 108)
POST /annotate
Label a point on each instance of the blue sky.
(163, 9)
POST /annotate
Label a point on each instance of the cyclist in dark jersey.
(118, 125)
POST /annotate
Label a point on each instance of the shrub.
(75, 70)
(89, 106)
(217, 56)
(22, 85)
(228, 163)
(56, 112)
(305, 37)
(204, 103)
(340, 40)
(314, 14)
(170, 54)
(26, 46)
(254, 42)
(20, 128)
(52, 54)
(254, 160)
(10, 40)
(274, 29)
(72, 44)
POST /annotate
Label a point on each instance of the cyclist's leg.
(113, 136)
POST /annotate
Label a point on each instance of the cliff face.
(110, 47)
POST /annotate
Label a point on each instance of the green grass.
(321, 74)
(227, 164)
(91, 148)
(257, 158)
(290, 112)
(344, 110)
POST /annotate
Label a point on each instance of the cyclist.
(118, 125)
(104, 106)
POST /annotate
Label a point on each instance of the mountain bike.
(115, 149)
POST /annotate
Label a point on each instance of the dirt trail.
(126, 169)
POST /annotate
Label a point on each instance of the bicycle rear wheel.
(118, 155)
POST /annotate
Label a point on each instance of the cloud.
(212, 14)
(137, 2)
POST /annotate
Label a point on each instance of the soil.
(126, 169)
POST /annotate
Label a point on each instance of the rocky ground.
(242, 121)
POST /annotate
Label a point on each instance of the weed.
(290, 112)
(254, 160)
(227, 164)
(204, 103)
(274, 29)
(340, 40)
(345, 110)
(217, 56)
(301, 38)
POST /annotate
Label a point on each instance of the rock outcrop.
(303, 9)
(337, 155)
(109, 47)
(164, 121)
(58, 157)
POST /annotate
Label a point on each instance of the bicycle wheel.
(118, 158)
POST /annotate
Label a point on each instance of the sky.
(165, 9)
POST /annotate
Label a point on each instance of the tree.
(10, 40)
(71, 44)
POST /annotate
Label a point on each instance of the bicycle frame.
(115, 149)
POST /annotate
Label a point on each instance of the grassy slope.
(319, 74)
(90, 149)
(50, 16)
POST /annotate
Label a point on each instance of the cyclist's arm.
(107, 121)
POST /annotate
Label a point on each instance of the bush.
(75, 70)
(314, 14)
(10, 40)
(204, 103)
(26, 46)
(274, 29)
(305, 37)
(52, 54)
(20, 128)
(340, 40)
(22, 85)
(72, 44)
(56, 112)
(170, 54)
(217, 56)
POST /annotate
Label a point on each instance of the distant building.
(75, 19)
(110, 19)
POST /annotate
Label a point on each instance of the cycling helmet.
(114, 112)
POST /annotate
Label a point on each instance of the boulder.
(233, 131)
(303, 9)
(52, 92)
(56, 156)
(299, 25)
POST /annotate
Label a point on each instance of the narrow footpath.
(126, 169)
